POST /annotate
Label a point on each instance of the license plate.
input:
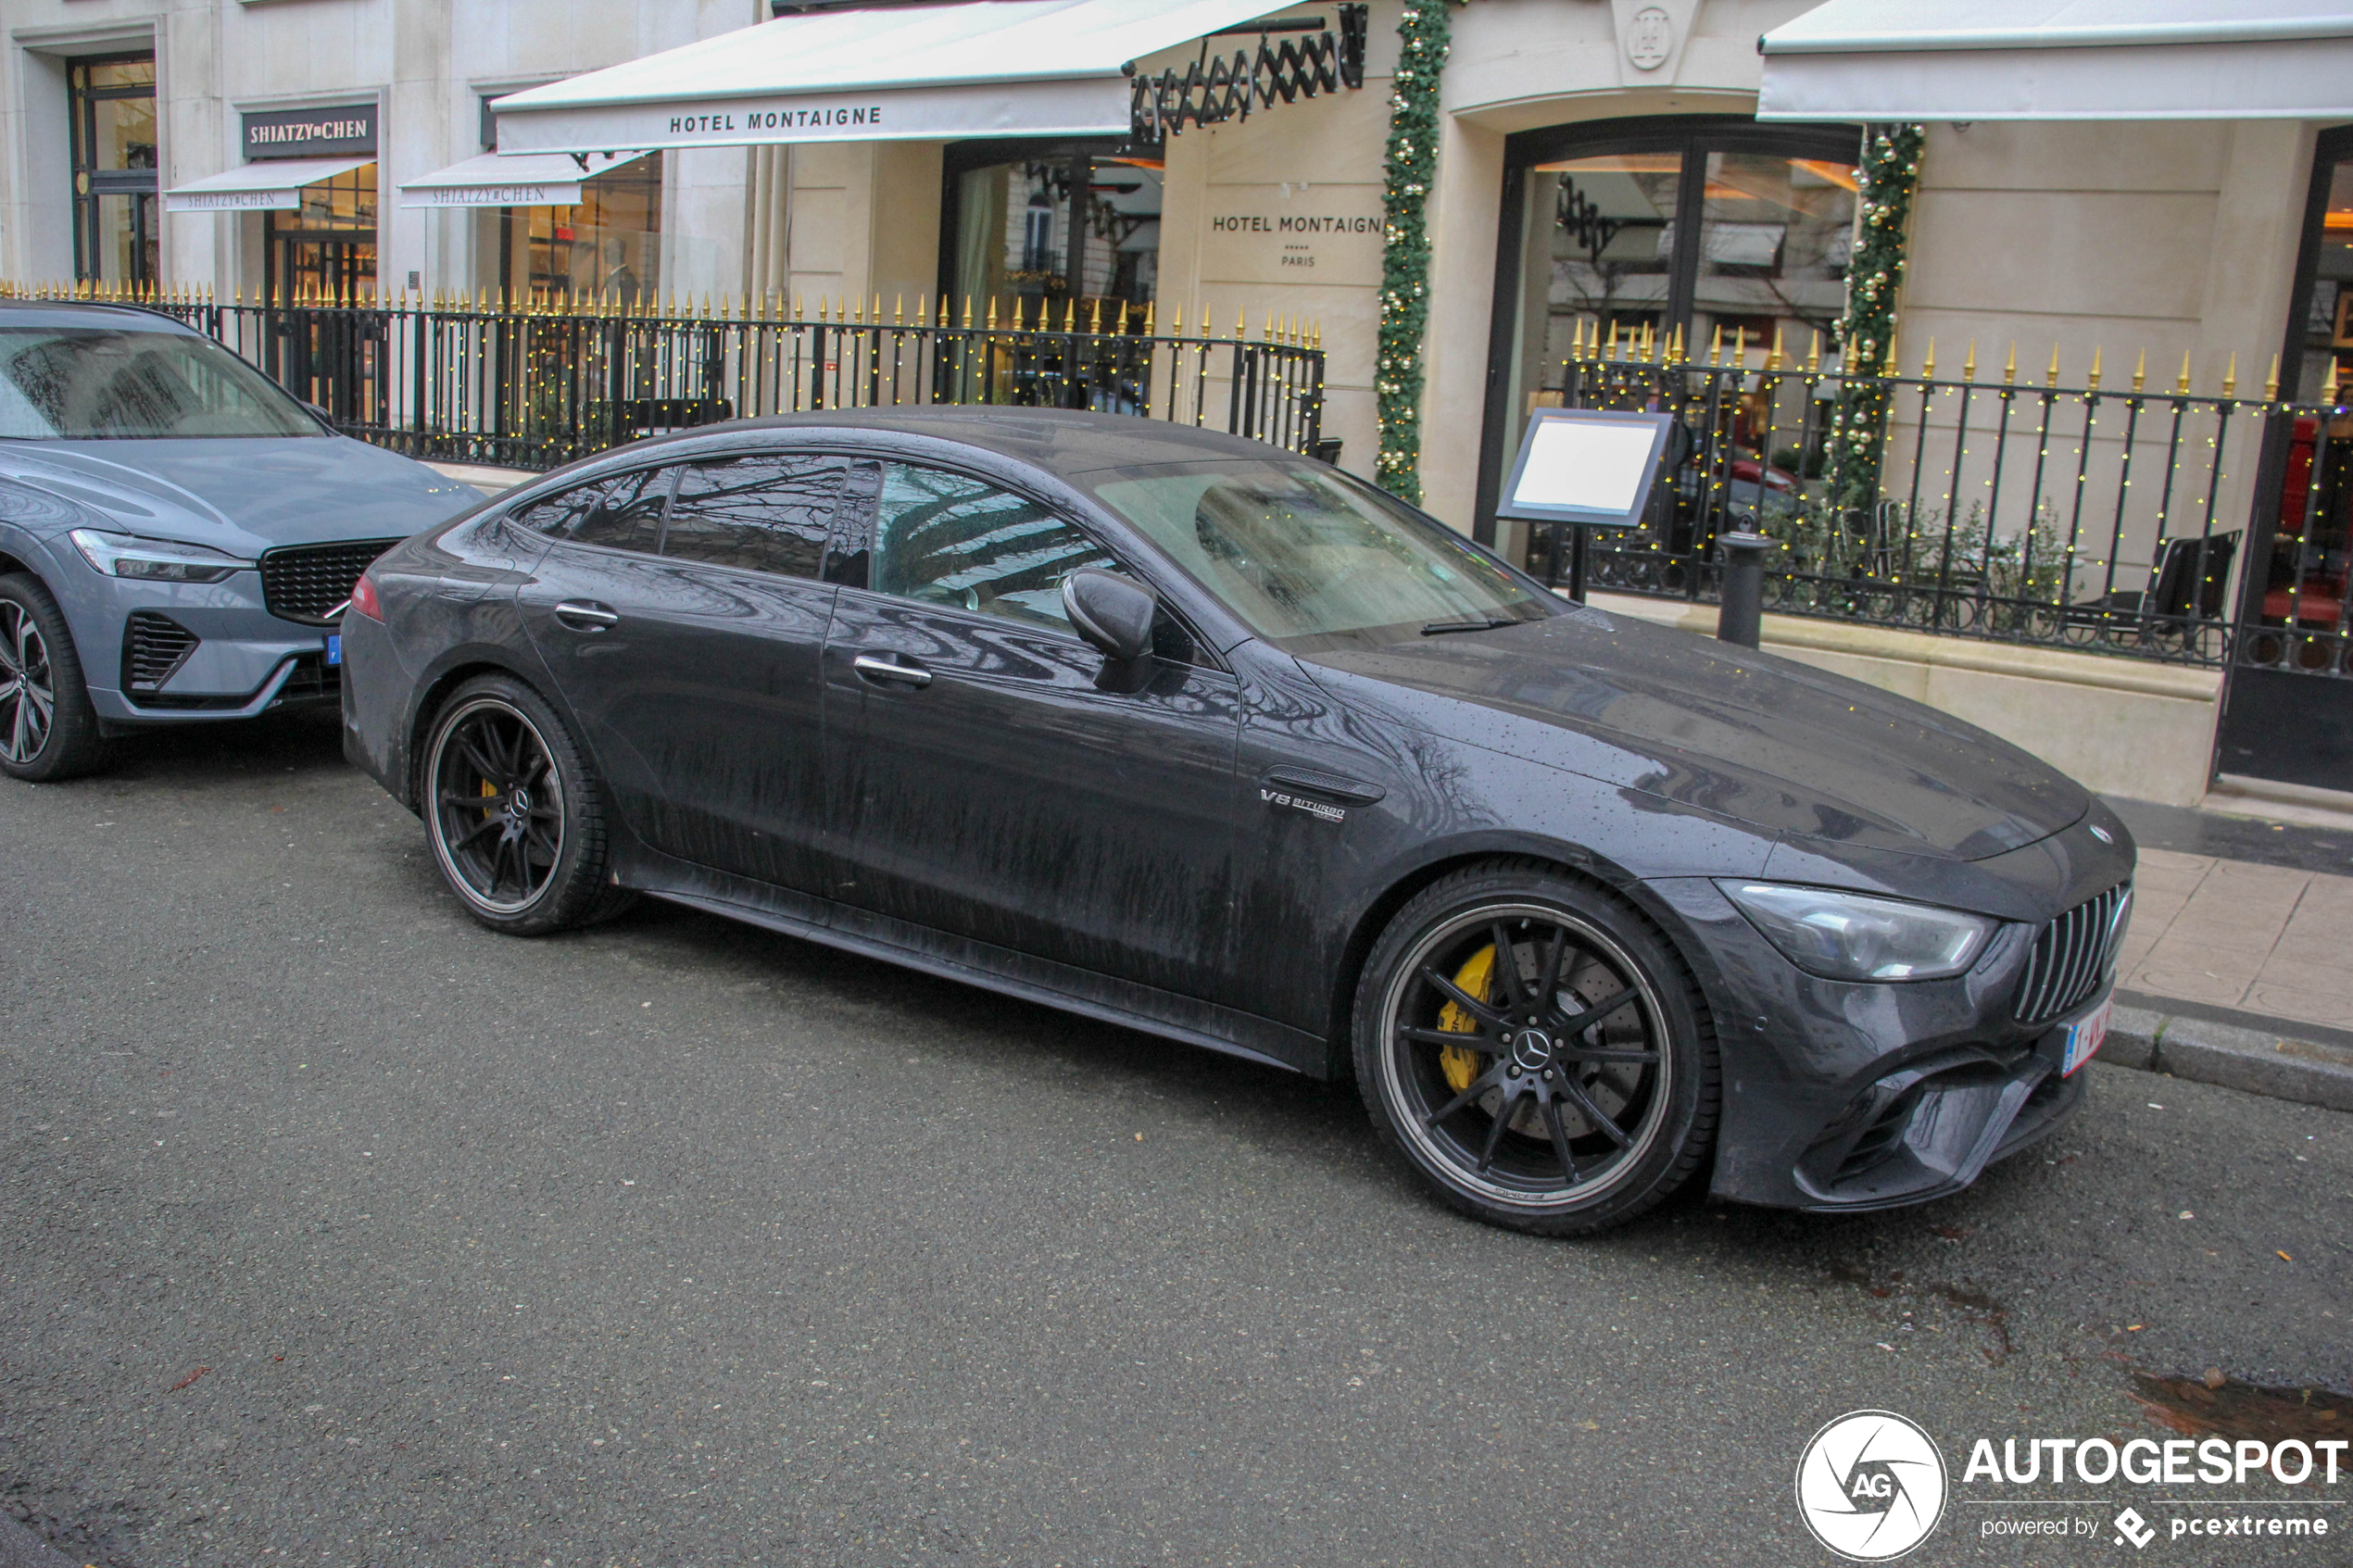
(2084, 1038)
(335, 648)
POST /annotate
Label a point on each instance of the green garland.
(1411, 168)
(1889, 176)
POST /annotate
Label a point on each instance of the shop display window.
(1641, 232)
(1054, 225)
(113, 106)
(607, 248)
(326, 247)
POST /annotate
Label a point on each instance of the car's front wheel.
(48, 730)
(1537, 1049)
(516, 816)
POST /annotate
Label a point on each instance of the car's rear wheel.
(48, 730)
(516, 817)
(1537, 1049)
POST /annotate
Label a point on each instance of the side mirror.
(1114, 613)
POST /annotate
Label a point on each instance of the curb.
(2258, 1063)
(19, 1547)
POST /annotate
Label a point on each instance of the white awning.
(271, 184)
(2062, 59)
(510, 180)
(983, 68)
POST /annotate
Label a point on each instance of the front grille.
(154, 647)
(2071, 956)
(304, 581)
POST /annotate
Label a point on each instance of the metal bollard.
(1741, 606)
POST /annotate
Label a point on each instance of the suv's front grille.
(2071, 956)
(154, 647)
(304, 581)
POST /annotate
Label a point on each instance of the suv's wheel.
(516, 819)
(1537, 1049)
(47, 727)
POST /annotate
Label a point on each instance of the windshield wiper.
(1439, 628)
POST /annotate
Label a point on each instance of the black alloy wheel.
(48, 729)
(515, 816)
(1537, 1049)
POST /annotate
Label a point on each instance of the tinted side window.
(557, 514)
(767, 512)
(947, 539)
(620, 514)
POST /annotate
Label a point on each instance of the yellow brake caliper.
(1460, 1063)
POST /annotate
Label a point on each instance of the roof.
(1058, 441)
(88, 313)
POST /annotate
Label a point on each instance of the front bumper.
(164, 653)
(1852, 1097)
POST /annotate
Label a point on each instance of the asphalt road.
(338, 1231)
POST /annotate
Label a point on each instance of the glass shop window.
(1055, 227)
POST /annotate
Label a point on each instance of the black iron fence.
(534, 386)
(2115, 518)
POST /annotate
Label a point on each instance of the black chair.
(2185, 586)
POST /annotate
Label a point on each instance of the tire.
(535, 855)
(48, 730)
(1562, 1116)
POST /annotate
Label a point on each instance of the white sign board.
(1588, 465)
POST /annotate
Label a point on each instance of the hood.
(241, 495)
(1754, 737)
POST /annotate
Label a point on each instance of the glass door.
(2287, 714)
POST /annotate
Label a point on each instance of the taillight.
(363, 598)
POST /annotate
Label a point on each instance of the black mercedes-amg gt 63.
(1211, 740)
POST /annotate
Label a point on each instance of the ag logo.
(1870, 1485)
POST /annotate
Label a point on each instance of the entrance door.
(2287, 712)
(1003, 787)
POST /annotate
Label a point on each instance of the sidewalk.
(2237, 968)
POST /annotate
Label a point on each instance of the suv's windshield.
(1310, 557)
(85, 383)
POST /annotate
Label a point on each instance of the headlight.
(154, 560)
(1853, 936)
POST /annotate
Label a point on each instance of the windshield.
(84, 383)
(1310, 557)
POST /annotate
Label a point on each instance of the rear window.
(83, 383)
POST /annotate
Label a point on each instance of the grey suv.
(177, 533)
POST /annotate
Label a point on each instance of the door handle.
(875, 669)
(584, 617)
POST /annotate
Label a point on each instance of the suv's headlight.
(1855, 936)
(154, 560)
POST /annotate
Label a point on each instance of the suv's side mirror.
(1114, 613)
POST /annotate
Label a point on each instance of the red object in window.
(564, 230)
(363, 598)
